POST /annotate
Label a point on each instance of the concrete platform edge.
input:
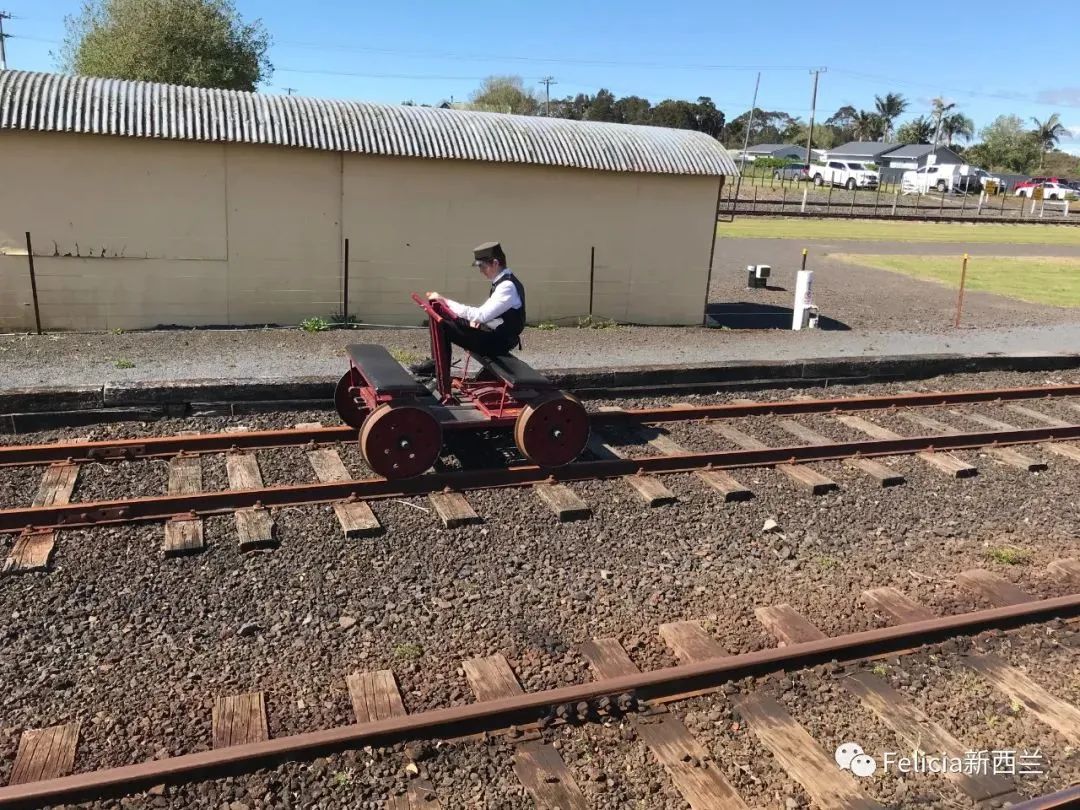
(27, 409)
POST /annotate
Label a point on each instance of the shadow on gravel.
(749, 315)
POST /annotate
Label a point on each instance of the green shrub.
(314, 324)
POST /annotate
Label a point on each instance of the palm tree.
(957, 125)
(889, 109)
(940, 107)
(1047, 133)
(917, 130)
(866, 126)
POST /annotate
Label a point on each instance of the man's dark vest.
(513, 320)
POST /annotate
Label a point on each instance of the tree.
(632, 110)
(200, 43)
(889, 108)
(939, 107)
(602, 107)
(867, 126)
(1047, 133)
(505, 94)
(1005, 146)
(917, 130)
(957, 125)
(841, 123)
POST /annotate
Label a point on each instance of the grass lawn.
(791, 228)
(1049, 280)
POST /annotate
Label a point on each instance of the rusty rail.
(168, 446)
(165, 507)
(496, 715)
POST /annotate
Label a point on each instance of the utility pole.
(3, 54)
(746, 141)
(547, 81)
(813, 110)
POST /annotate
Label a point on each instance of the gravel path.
(879, 313)
(137, 647)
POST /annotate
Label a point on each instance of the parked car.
(982, 176)
(793, 171)
(940, 177)
(1052, 190)
(842, 173)
(1035, 181)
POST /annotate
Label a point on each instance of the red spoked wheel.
(400, 441)
(552, 431)
(350, 405)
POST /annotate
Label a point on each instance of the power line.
(467, 57)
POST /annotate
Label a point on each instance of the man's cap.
(488, 250)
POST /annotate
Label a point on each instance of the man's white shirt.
(503, 297)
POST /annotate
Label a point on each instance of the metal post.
(828, 200)
(982, 199)
(854, 194)
(918, 196)
(804, 252)
(592, 272)
(1004, 196)
(345, 286)
(960, 295)
(802, 208)
(877, 196)
(941, 208)
(783, 197)
(33, 281)
(753, 205)
(895, 200)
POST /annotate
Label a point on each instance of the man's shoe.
(425, 368)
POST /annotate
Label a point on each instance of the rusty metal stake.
(33, 281)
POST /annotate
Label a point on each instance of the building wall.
(133, 233)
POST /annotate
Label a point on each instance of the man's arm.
(502, 298)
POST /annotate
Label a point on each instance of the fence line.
(782, 197)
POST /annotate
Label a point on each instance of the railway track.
(185, 504)
(646, 701)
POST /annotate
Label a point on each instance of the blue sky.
(974, 53)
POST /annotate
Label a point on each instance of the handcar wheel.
(400, 441)
(552, 431)
(351, 411)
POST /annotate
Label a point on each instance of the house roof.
(48, 102)
(910, 151)
(862, 148)
(765, 148)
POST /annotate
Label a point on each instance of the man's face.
(487, 266)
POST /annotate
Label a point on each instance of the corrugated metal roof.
(862, 148)
(48, 102)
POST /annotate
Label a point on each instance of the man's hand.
(433, 296)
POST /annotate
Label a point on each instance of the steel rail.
(169, 446)
(1070, 797)
(165, 507)
(496, 715)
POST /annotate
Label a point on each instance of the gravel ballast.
(137, 647)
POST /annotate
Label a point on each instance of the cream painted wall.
(412, 224)
(136, 233)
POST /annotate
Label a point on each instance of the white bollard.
(804, 299)
(802, 210)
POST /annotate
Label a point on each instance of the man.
(496, 325)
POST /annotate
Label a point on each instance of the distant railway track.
(620, 690)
